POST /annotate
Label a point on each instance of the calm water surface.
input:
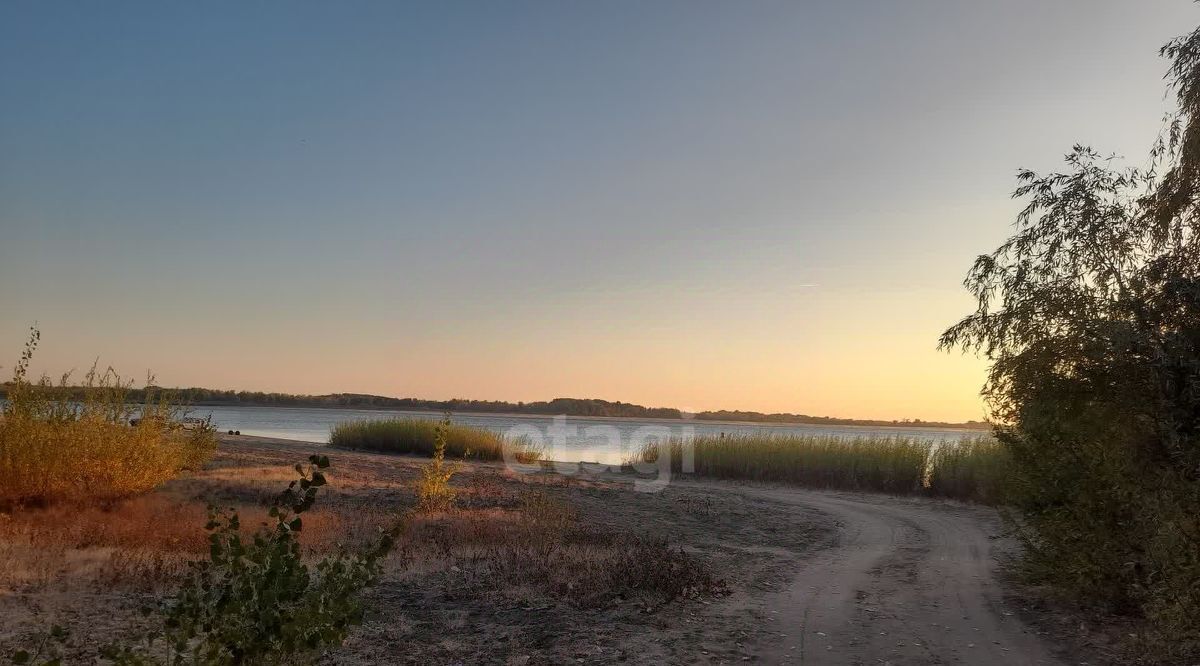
(313, 425)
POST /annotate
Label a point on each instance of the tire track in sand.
(907, 582)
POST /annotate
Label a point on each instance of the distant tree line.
(759, 417)
(205, 397)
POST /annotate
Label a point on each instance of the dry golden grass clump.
(77, 443)
(87, 458)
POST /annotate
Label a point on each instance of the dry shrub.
(88, 458)
(76, 443)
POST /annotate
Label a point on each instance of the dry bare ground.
(546, 569)
(530, 568)
(908, 581)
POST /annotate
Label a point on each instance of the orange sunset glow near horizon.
(710, 206)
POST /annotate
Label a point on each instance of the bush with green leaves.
(254, 600)
(1090, 316)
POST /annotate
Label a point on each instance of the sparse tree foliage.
(1090, 315)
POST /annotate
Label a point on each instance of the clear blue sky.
(756, 205)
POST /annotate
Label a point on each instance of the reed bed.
(970, 470)
(975, 469)
(418, 436)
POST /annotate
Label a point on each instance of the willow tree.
(1090, 317)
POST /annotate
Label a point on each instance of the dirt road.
(907, 582)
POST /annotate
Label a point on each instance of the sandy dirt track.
(906, 582)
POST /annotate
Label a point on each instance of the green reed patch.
(420, 436)
(968, 470)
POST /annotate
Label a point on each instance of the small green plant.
(255, 601)
(434, 492)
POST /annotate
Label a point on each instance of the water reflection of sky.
(313, 425)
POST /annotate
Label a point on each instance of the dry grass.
(88, 458)
(509, 541)
(518, 556)
(56, 446)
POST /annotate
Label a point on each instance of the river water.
(606, 440)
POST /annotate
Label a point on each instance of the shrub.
(255, 601)
(433, 488)
(57, 446)
(1090, 317)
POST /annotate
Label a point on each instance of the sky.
(754, 205)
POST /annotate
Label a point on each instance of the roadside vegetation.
(54, 448)
(970, 470)
(1090, 316)
(978, 469)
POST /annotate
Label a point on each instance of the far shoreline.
(981, 427)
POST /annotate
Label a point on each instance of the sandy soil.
(786, 575)
(907, 582)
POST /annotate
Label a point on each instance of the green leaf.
(20, 657)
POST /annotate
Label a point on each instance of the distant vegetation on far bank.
(568, 406)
